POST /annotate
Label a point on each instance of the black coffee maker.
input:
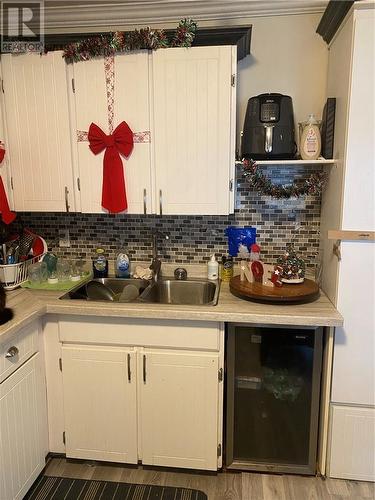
(268, 131)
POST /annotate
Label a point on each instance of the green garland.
(122, 41)
(313, 185)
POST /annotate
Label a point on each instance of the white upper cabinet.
(360, 149)
(179, 103)
(193, 133)
(4, 168)
(131, 104)
(37, 118)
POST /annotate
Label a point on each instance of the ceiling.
(83, 15)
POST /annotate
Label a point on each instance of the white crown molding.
(84, 16)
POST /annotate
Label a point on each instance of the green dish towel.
(63, 286)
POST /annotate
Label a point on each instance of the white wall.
(287, 56)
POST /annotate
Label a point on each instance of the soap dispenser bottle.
(213, 268)
(122, 266)
(311, 142)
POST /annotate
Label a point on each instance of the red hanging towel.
(120, 141)
(6, 215)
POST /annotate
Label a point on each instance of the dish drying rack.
(12, 275)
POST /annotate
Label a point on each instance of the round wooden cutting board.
(287, 294)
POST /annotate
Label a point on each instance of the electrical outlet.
(64, 239)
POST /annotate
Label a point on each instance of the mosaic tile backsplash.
(192, 239)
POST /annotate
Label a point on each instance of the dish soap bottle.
(122, 266)
(100, 264)
(311, 142)
(213, 268)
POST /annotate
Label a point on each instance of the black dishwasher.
(273, 392)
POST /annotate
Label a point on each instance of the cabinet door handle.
(161, 201)
(129, 370)
(11, 352)
(66, 198)
(144, 369)
(145, 201)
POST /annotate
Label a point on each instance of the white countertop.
(28, 305)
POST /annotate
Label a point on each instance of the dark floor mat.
(59, 488)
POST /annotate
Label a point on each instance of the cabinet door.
(131, 104)
(37, 118)
(179, 409)
(352, 443)
(360, 133)
(353, 377)
(100, 403)
(193, 134)
(4, 165)
(23, 429)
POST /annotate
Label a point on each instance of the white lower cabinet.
(352, 442)
(23, 429)
(179, 405)
(100, 403)
(159, 401)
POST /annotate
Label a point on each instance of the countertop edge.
(17, 323)
(220, 316)
(28, 306)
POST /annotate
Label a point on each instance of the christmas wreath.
(312, 185)
(122, 41)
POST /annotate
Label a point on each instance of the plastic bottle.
(311, 142)
(122, 266)
(227, 267)
(100, 264)
(213, 268)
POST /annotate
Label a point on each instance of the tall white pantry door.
(193, 140)
(355, 343)
(131, 104)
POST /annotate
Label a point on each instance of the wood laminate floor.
(221, 486)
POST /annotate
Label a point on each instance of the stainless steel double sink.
(164, 291)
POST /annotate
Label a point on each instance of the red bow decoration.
(120, 141)
(6, 215)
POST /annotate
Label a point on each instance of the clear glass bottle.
(100, 264)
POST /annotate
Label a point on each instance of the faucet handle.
(160, 234)
(180, 273)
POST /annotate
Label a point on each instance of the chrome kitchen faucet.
(156, 262)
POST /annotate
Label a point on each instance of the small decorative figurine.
(276, 276)
(257, 270)
(254, 252)
(255, 264)
(245, 272)
(253, 270)
(292, 266)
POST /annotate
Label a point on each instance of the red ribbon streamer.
(120, 141)
(6, 215)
